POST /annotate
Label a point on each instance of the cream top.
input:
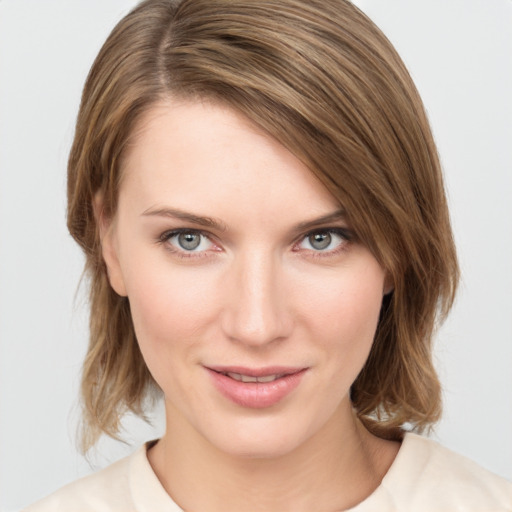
(424, 477)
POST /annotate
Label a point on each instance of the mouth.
(246, 374)
(256, 387)
(249, 378)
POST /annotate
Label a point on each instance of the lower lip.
(256, 395)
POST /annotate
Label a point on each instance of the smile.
(256, 389)
(249, 378)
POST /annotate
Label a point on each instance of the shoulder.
(428, 476)
(129, 485)
(107, 490)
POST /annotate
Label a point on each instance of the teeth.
(268, 378)
(248, 378)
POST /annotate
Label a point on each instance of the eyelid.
(177, 231)
(345, 233)
(182, 253)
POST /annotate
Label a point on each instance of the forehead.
(205, 155)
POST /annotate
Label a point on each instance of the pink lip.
(256, 395)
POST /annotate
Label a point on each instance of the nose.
(256, 311)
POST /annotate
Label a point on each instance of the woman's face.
(254, 304)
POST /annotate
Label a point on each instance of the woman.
(259, 198)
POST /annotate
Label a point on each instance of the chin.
(258, 448)
(261, 439)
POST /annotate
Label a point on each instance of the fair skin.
(235, 259)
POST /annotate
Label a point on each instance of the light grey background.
(458, 51)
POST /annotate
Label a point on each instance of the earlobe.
(109, 251)
(389, 285)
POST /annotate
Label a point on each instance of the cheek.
(171, 314)
(344, 312)
(169, 304)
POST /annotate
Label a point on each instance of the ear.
(109, 250)
(389, 284)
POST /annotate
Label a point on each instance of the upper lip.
(258, 372)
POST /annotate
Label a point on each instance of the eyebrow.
(337, 215)
(211, 222)
(176, 213)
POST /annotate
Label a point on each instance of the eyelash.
(167, 235)
(345, 234)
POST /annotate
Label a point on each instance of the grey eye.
(320, 241)
(189, 241)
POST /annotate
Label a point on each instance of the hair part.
(322, 79)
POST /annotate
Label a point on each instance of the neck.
(335, 469)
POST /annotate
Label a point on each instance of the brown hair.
(320, 78)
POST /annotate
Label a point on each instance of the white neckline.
(149, 495)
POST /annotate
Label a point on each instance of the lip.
(256, 395)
